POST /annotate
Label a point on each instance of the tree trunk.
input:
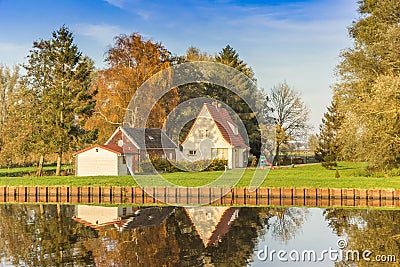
(277, 151)
(58, 169)
(40, 166)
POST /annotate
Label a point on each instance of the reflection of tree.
(37, 235)
(145, 246)
(374, 230)
(42, 235)
(237, 246)
(285, 223)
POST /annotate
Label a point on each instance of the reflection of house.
(148, 217)
(124, 149)
(122, 218)
(212, 223)
(99, 216)
(215, 135)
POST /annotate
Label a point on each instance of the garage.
(100, 160)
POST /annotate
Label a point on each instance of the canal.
(131, 235)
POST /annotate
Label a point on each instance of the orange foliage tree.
(131, 61)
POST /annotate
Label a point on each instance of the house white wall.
(97, 161)
(204, 136)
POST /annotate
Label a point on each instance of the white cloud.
(102, 33)
(131, 6)
(117, 3)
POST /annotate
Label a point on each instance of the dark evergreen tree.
(244, 109)
(329, 145)
(61, 78)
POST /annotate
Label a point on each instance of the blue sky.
(287, 40)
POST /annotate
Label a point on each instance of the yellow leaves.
(132, 60)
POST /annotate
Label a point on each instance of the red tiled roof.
(112, 148)
(221, 117)
(223, 226)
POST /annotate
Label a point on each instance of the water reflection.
(85, 235)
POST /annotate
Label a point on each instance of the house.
(215, 135)
(123, 152)
(100, 160)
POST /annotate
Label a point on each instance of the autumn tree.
(60, 78)
(369, 85)
(329, 143)
(131, 61)
(18, 134)
(312, 142)
(195, 54)
(9, 87)
(289, 113)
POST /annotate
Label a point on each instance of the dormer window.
(234, 128)
(203, 133)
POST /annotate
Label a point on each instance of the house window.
(203, 133)
(234, 128)
(97, 150)
(163, 156)
(192, 152)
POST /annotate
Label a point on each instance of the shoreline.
(202, 196)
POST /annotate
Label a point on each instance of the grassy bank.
(308, 176)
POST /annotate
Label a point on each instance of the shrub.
(164, 165)
(337, 175)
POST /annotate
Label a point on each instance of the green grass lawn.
(29, 171)
(308, 176)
